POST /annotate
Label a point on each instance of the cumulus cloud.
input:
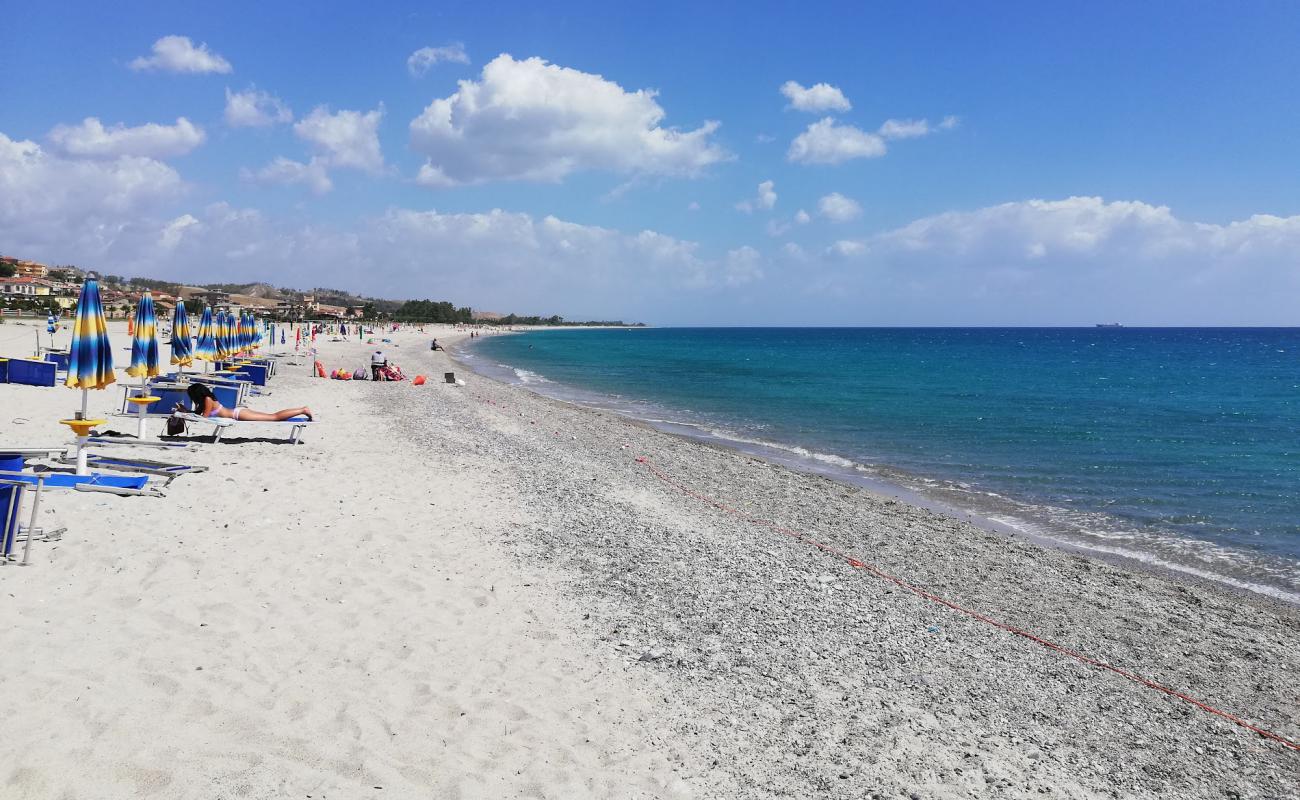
(50, 204)
(827, 142)
(421, 60)
(287, 172)
(816, 98)
(344, 139)
(838, 208)
(1077, 261)
(801, 217)
(254, 109)
(535, 121)
(90, 139)
(178, 54)
(765, 200)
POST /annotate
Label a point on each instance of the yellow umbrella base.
(81, 427)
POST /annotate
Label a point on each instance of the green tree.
(7, 270)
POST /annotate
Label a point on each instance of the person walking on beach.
(377, 362)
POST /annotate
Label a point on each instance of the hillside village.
(30, 286)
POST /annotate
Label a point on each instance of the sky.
(917, 163)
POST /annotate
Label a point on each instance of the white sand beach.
(475, 592)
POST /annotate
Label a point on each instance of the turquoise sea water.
(1175, 446)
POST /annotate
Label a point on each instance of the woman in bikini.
(205, 404)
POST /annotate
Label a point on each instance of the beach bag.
(360, 375)
(175, 425)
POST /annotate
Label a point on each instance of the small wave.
(528, 376)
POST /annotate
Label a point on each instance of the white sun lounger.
(221, 425)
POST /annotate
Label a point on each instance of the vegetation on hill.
(372, 307)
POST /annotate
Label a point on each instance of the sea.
(1179, 448)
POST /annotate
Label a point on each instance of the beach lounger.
(12, 493)
(131, 441)
(138, 465)
(125, 485)
(14, 460)
(220, 425)
(13, 463)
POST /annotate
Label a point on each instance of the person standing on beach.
(377, 362)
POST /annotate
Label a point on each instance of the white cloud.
(825, 142)
(904, 128)
(765, 200)
(178, 54)
(793, 251)
(344, 139)
(288, 172)
(801, 217)
(838, 208)
(60, 208)
(693, 206)
(815, 98)
(913, 128)
(253, 109)
(421, 60)
(741, 266)
(776, 227)
(91, 139)
(535, 121)
(1075, 261)
(847, 248)
(174, 231)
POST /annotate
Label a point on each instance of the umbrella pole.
(82, 469)
(144, 390)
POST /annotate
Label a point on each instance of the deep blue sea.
(1174, 446)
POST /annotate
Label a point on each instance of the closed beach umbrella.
(223, 335)
(145, 362)
(206, 348)
(257, 331)
(90, 361)
(182, 346)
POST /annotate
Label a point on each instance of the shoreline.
(479, 591)
(857, 475)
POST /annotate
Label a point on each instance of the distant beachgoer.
(377, 362)
(435, 345)
(206, 405)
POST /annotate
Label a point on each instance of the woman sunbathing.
(205, 404)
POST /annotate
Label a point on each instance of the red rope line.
(934, 598)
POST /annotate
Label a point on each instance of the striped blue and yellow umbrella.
(232, 334)
(222, 331)
(145, 362)
(206, 348)
(257, 332)
(90, 362)
(245, 331)
(182, 345)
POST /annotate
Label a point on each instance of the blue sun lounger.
(12, 464)
(11, 527)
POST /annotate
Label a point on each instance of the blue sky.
(1044, 164)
